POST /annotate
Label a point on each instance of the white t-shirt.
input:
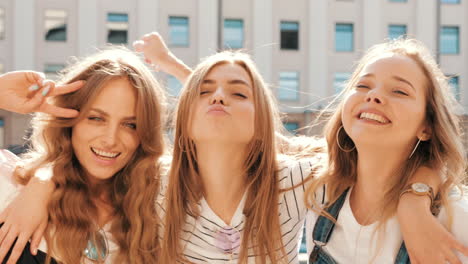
(199, 235)
(352, 243)
(9, 189)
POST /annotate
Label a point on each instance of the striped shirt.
(206, 238)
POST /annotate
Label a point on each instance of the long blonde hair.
(443, 152)
(185, 189)
(132, 190)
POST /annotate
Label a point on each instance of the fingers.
(18, 249)
(37, 237)
(35, 77)
(58, 111)
(451, 258)
(138, 45)
(6, 243)
(67, 88)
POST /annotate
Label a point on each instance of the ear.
(425, 133)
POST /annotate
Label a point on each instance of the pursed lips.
(217, 109)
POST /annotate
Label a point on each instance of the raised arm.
(26, 91)
(158, 55)
(426, 239)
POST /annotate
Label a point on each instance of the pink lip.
(372, 111)
(216, 109)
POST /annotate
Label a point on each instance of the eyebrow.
(393, 77)
(234, 81)
(403, 80)
(104, 113)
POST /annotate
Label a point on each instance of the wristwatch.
(420, 189)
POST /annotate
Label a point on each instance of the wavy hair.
(131, 190)
(185, 189)
(443, 152)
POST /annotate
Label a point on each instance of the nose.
(375, 96)
(110, 137)
(218, 96)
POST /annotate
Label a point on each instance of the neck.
(221, 168)
(100, 197)
(375, 168)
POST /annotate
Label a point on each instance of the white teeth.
(374, 117)
(105, 153)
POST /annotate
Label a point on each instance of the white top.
(353, 243)
(9, 189)
(199, 235)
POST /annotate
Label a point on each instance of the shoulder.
(294, 170)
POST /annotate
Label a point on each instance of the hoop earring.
(338, 142)
(414, 149)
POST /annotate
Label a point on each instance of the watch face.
(420, 187)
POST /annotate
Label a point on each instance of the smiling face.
(224, 110)
(105, 139)
(386, 105)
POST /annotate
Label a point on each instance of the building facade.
(305, 49)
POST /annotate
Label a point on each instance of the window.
(396, 31)
(51, 70)
(2, 133)
(340, 80)
(233, 33)
(179, 31)
(449, 40)
(450, 1)
(2, 23)
(289, 35)
(117, 28)
(173, 85)
(455, 87)
(398, 1)
(55, 24)
(344, 40)
(288, 86)
(291, 126)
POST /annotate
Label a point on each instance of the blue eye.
(130, 125)
(95, 118)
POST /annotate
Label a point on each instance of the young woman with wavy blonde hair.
(397, 115)
(104, 162)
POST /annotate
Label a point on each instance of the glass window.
(2, 133)
(291, 126)
(288, 86)
(344, 40)
(173, 85)
(396, 31)
(2, 23)
(340, 80)
(450, 1)
(455, 87)
(51, 70)
(233, 33)
(449, 40)
(55, 24)
(117, 28)
(179, 31)
(289, 35)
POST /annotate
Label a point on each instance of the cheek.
(347, 109)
